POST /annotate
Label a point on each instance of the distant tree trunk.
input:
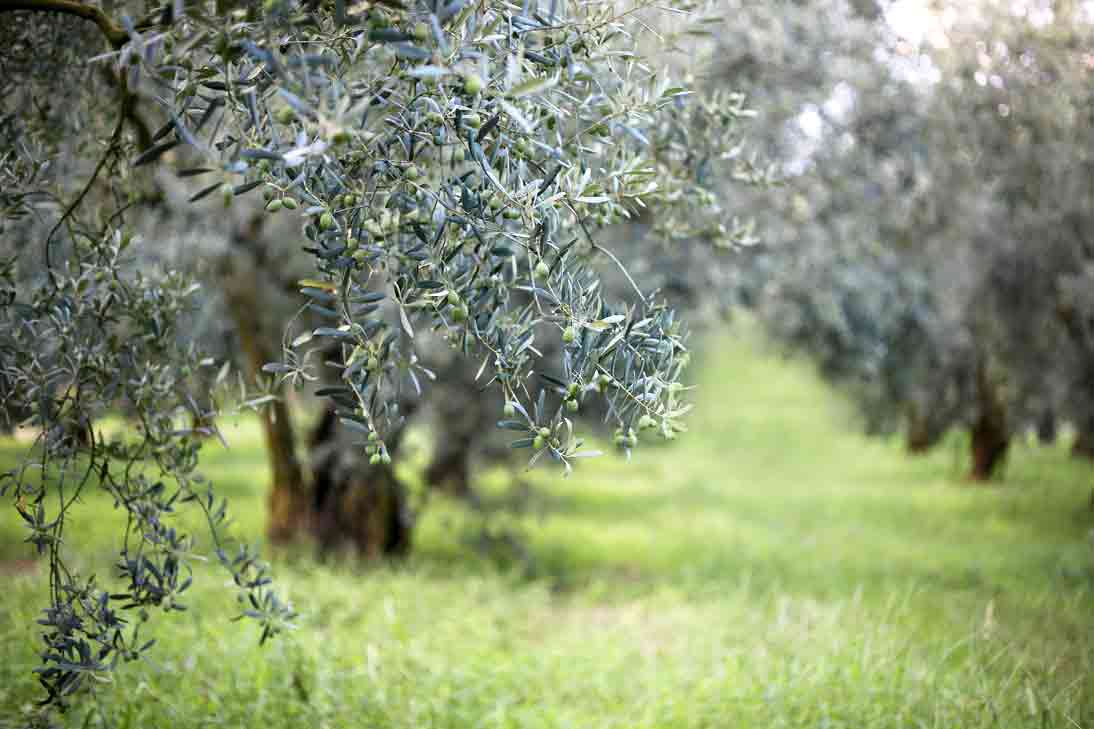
(458, 425)
(918, 437)
(989, 445)
(450, 469)
(1046, 427)
(356, 503)
(990, 435)
(1079, 327)
(463, 418)
(289, 493)
(346, 501)
(1083, 447)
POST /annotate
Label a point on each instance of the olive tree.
(453, 166)
(934, 213)
(1022, 76)
(838, 275)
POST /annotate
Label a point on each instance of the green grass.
(770, 569)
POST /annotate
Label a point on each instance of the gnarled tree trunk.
(450, 469)
(356, 503)
(288, 498)
(289, 492)
(340, 498)
(461, 415)
(918, 437)
(990, 434)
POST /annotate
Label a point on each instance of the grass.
(770, 569)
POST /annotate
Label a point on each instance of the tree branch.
(115, 139)
(115, 34)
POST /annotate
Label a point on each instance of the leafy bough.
(454, 164)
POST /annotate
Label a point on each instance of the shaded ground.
(770, 569)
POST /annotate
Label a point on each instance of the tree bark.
(463, 418)
(1083, 447)
(1046, 427)
(990, 434)
(356, 503)
(340, 499)
(289, 493)
(450, 469)
(918, 437)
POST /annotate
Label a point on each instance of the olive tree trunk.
(990, 433)
(1046, 427)
(1083, 446)
(339, 498)
(356, 503)
(289, 492)
(918, 435)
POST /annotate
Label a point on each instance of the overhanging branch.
(115, 34)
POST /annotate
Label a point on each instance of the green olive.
(472, 84)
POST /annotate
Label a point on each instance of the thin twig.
(115, 138)
(597, 247)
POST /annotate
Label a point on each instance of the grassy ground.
(771, 569)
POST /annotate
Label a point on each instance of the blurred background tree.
(926, 250)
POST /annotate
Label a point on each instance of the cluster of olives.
(572, 394)
(544, 437)
(625, 438)
(459, 308)
(377, 451)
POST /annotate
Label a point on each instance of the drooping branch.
(114, 33)
(112, 149)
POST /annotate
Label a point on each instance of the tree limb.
(115, 34)
(115, 139)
